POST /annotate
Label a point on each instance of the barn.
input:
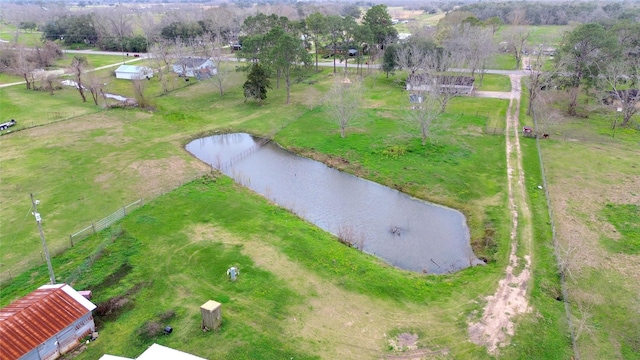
(451, 84)
(131, 72)
(194, 67)
(45, 324)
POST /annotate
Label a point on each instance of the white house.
(157, 352)
(45, 324)
(195, 67)
(131, 72)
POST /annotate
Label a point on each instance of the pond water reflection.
(403, 231)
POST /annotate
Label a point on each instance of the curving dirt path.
(496, 325)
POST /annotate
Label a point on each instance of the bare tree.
(49, 83)
(413, 58)
(139, 87)
(516, 39)
(46, 54)
(161, 52)
(618, 83)
(474, 44)
(145, 21)
(23, 65)
(545, 114)
(78, 66)
(537, 79)
(425, 108)
(95, 85)
(343, 102)
(222, 72)
(518, 17)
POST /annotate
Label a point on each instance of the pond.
(405, 232)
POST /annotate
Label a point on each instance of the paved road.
(96, 52)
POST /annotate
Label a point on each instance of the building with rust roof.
(45, 324)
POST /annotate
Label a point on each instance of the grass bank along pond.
(403, 231)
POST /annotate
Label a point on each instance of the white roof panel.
(159, 352)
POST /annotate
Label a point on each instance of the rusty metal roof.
(30, 321)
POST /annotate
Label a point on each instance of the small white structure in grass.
(132, 72)
(211, 315)
(233, 273)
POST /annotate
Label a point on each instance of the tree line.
(555, 13)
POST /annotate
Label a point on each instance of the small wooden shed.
(211, 314)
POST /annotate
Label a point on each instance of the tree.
(257, 83)
(425, 108)
(222, 72)
(161, 52)
(316, 24)
(28, 25)
(516, 39)
(389, 63)
(49, 81)
(413, 56)
(618, 81)
(139, 87)
(120, 26)
(343, 102)
(585, 48)
(288, 55)
(494, 23)
(46, 54)
(95, 85)
(72, 29)
(364, 37)
(335, 34)
(352, 10)
(473, 43)
(23, 66)
(349, 30)
(78, 65)
(377, 18)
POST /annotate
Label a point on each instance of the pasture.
(301, 292)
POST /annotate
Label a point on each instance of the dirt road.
(496, 325)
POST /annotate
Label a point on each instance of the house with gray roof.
(201, 68)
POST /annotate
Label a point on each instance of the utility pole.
(34, 204)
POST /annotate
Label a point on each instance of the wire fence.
(58, 249)
(104, 222)
(94, 256)
(556, 248)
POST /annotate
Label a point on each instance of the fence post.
(71, 240)
(93, 226)
(124, 210)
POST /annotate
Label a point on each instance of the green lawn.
(29, 39)
(492, 82)
(503, 61)
(8, 79)
(301, 293)
(94, 60)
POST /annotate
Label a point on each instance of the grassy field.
(493, 82)
(8, 79)
(30, 39)
(94, 60)
(301, 293)
(593, 185)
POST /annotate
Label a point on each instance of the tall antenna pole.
(34, 204)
